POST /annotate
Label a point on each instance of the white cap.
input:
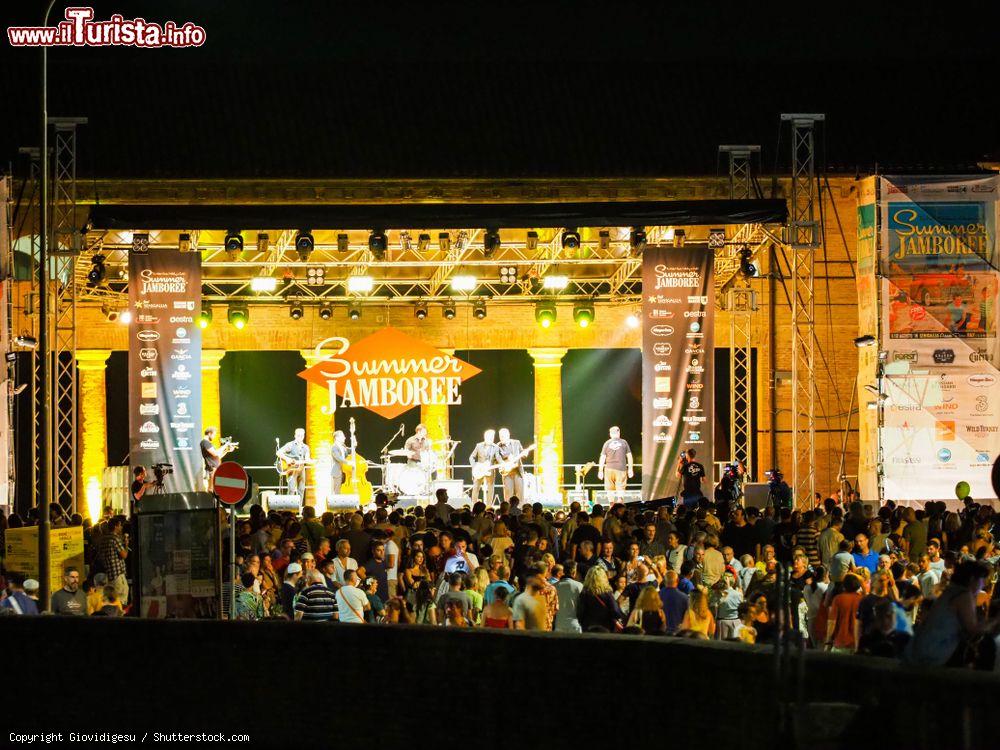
(293, 568)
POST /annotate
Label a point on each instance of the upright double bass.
(355, 470)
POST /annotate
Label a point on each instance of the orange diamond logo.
(390, 373)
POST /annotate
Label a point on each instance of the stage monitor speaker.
(343, 502)
(606, 497)
(271, 500)
(755, 494)
(577, 496)
(411, 501)
(550, 501)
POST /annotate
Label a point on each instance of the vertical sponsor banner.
(165, 364)
(868, 325)
(939, 260)
(677, 363)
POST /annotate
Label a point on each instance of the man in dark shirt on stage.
(615, 465)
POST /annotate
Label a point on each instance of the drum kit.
(402, 478)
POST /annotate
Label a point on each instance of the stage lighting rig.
(360, 284)
(637, 241)
(583, 314)
(449, 310)
(378, 243)
(234, 244)
(747, 269)
(508, 274)
(354, 311)
(315, 276)
(184, 242)
(423, 241)
(604, 240)
(304, 245)
(545, 313)
(98, 271)
(263, 243)
(571, 239)
(491, 242)
(325, 312)
(140, 242)
(238, 315)
(343, 242)
(479, 309)
(296, 311)
(420, 310)
(531, 241)
(205, 316)
(444, 242)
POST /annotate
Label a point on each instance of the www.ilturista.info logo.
(81, 30)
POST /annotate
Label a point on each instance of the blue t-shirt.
(25, 603)
(685, 585)
(869, 561)
(675, 605)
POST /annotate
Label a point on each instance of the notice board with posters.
(938, 293)
(65, 550)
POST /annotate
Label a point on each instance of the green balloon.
(962, 490)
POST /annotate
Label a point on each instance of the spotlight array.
(449, 311)
(571, 239)
(296, 311)
(491, 242)
(747, 269)
(98, 271)
(545, 313)
(325, 312)
(239, 316)
(508, 274)
(583, 314)
(354, 311)
(316, 276)
(378, 243)
(479, 309)
(420, 310)
(205, 316)
(304, 244)
(234, 244)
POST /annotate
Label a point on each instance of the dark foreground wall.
(322, 685)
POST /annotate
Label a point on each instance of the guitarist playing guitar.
(295, 458)
(509, 453)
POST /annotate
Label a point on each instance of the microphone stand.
(393, 438)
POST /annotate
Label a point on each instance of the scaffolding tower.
(803, 241)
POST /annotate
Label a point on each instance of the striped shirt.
(109, 552)
(807, 537)
(316, 603)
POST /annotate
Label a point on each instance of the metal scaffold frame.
(65, 244)
(803, 240)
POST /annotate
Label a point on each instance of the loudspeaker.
(343, 502)
(606, 498)
(755, 494)
(577, 496)
(271, 500)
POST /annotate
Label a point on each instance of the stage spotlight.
(378, 243)
(444, 242)
(583, 314)
(360, 284)
(508, 274)
(464, 283)
(304, 244)
(571, 239)
(110, 312)
(98, 272)
(747, 269)
(531, 242)
(423, 240)
(296, 311)
(680, 236)
(263, 243)
(479, 309)
(315, 276)
(637, 240)
(604, 240)
(555, 282)
(545, 313)
(864, 341)
(26, 342)
(449, 310)
(632, 321)
(420, 310)
(343, 242)
(125, 317)
(354, 311)
(325, 312)
(205, 317)
(140, 242)
(184, 242)
(234, 244)
(263, 284)
(239, 316)
(491, 242)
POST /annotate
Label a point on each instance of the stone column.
(91, 364)
(211, 399)
(435, 418)
(548, 420)
(319, 436)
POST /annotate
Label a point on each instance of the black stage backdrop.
(165, 364)
(678, 356)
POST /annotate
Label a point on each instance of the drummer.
(417, 447)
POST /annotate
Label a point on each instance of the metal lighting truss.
(742, 303)
(803, 240)
(65, 245)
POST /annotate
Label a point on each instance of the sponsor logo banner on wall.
(677, 363)
(165, 364)
(939, 260)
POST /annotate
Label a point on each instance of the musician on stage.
(509, 449)
(339, 454)
(416, 445)
(212, 457)
(615, 465)
(484, 453)
(297, 452)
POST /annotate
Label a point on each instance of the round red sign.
(232, 483)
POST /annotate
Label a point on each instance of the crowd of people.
(900, 583)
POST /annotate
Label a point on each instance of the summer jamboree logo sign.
(388, 373)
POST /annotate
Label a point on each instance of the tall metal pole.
(45, 441)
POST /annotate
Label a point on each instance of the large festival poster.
(165, 364)
(868, 325)
(677, 363)
(938, 257)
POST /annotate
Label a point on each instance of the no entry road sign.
(231, 482)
